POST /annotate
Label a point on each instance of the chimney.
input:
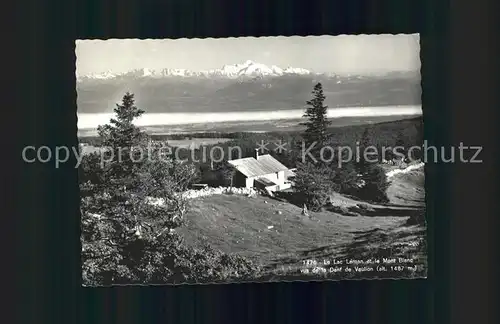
(256, 154)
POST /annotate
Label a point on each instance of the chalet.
(262, 172)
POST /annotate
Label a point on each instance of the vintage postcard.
(251, 159)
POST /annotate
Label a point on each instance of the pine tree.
(402, 143)
(123, 138)
(121, 132)
(372, 174)
(225, 173)
(317, 124)
(361, 161)
(376, 184)
(315, 184)
(346, 177)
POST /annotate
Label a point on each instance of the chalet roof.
(252, 167)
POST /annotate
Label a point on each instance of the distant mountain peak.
(248, 68)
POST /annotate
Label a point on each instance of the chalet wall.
(281, 177)
(250, 182)
(271, 177)
(239, 180)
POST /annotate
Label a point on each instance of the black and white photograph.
(251, 159)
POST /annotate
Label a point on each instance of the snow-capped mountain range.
(247, 69)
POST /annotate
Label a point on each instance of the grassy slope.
(239, 224)
(407, 189)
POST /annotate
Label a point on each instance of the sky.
(344, 54)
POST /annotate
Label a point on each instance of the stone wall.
(190, 194)
(209, 191)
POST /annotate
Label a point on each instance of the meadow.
(276, 235)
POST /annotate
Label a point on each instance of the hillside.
(407, 188)
(276, 235)
(242, 225)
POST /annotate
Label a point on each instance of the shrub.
(160, 260)
(375, 186)
(346, 178)
(315, 184)
(90, 170)
(127, 240)
(224, 174)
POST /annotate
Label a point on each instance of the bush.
(346, 178)
(224, 174)
(375, 186)
(90, 169)
(125, 238)
(157, 261)
(315, 184)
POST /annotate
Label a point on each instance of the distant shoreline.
(90, 121)
(283, 125)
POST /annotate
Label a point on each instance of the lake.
(91, 121)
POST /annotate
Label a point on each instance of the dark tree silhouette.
(376, 184)
(127, 220)
(315, 184)
(361, 159)
(122, 138)
(317, 121)
(121, 132)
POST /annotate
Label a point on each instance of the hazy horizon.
(92, 120)
(344, 54)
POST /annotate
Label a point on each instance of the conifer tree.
(376, 184)
(123, 138)
(317, 121)
(121, 132)
(374, 177)
(361, 162)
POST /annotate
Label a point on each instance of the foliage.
(317, 181)
(167, 175)
(367, 168)
(380, 134)
(317, 120)
(90, 170)
(123, 140)
(315, 184)
(121, 132)
(109, 258)
(126, 235)
(375, 186)
(127, 239)
(346, 178)
(362, 162)
(225, 173)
